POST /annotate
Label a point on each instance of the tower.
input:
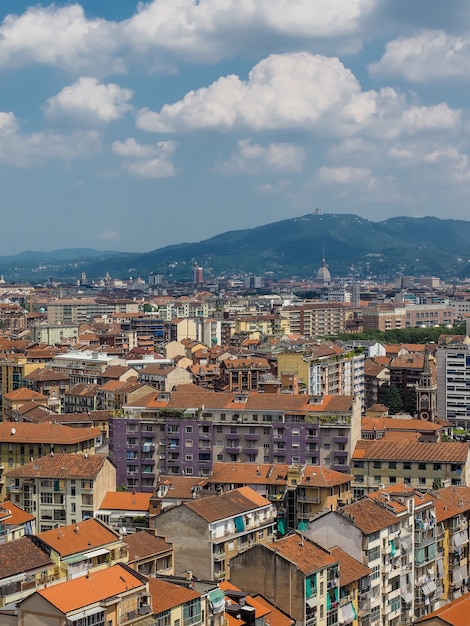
(323, 275)
(426, 391)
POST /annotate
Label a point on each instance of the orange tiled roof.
(47, 432)
(446, 452)
(369, 516)
(235, 502)
(306, 555)
(126, 501)
(453, 614)
(167, 595)
(81, 537)
(349, 569)
(85, 590)
(17, 515)
(62, 466)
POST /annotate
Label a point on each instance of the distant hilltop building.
(323, 275)
(198, 274)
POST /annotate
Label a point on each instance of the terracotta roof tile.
(349, 569)
(85, 590)
(276, 617)
(446, 452)
(21, 555)
(62, 466)
(167, 595)
(126, 501)
(143, 544)
(67, 540)
(453, 614)
(369, 516)
(274, 474)
(305, 554)
(181, 487)
(17, 515)
(235, 502)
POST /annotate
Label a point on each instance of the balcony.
(314, 499)
(230, 450)
(219, 575)
(251, 437)
(340, 439)
(218, 556)
(251, 451)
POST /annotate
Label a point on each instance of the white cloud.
(59, 36)
(89, 100)
(426, 56)
(256, 159)
(296, 90)
(8, 123)
(196, 30)
(272, 189)
(147, 160)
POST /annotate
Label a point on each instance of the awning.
(302, 524)
(98, 552)
(457, 540)
(440, 567)
(407, 596)
(217, 600)
(459, 575)
(239, 524)
(86, 613)
(429, 588)
(405, 543)
(12, 579)
(75, 558)
(312, 602)
(346, 614)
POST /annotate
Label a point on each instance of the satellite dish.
(13, 431)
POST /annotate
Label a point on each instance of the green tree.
(410, 403)
(394, 400)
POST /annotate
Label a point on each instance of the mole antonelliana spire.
(323, 274)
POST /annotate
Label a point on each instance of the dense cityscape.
(239, 455)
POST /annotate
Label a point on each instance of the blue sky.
(130, 126)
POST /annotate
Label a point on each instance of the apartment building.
(81, 310)
(392, 532)
(209, 532)
(242, 374)
(326, 369)
(53, 334)
(418, 315)
(297, 491)
(62, 489)
(303, 578)
(164, 377)
(419, 465)
(82, 548)
(165, 436)
(453, 383)
(384, 317)
(317, 319)
(85, 366)
(125, 510)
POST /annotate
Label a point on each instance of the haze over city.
(131, 126)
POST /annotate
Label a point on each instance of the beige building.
(62, 489)
(317, 319)
(80, 310)
(419, 465)
(384, 317)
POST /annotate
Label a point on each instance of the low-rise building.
(149, 555)
(126, 510)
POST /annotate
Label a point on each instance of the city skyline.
(127, 126)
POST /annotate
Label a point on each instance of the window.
(46, 498)
(373, 554)
(189, 429)
(327, 446)
(377, 465)
(326, 432)
(422, 480)
(392, 480)
(295, 446)
(296, 433)
(192, 612)
(422, 466)
(392, 465)
(437, 467)
(163, 619)
(407, 466)
(188, 443)
(358, 464)
(189, 457)
(219, 429)
(375, 572)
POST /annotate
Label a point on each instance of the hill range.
(354, 247)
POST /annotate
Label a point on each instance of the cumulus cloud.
(198, 30)
(298, 90)
(426, 56)
(346, 176)
(257, 159)
(59, 36)
(147, 160)
(295, 90)
(89, 100)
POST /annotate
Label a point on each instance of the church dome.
(323, 274)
